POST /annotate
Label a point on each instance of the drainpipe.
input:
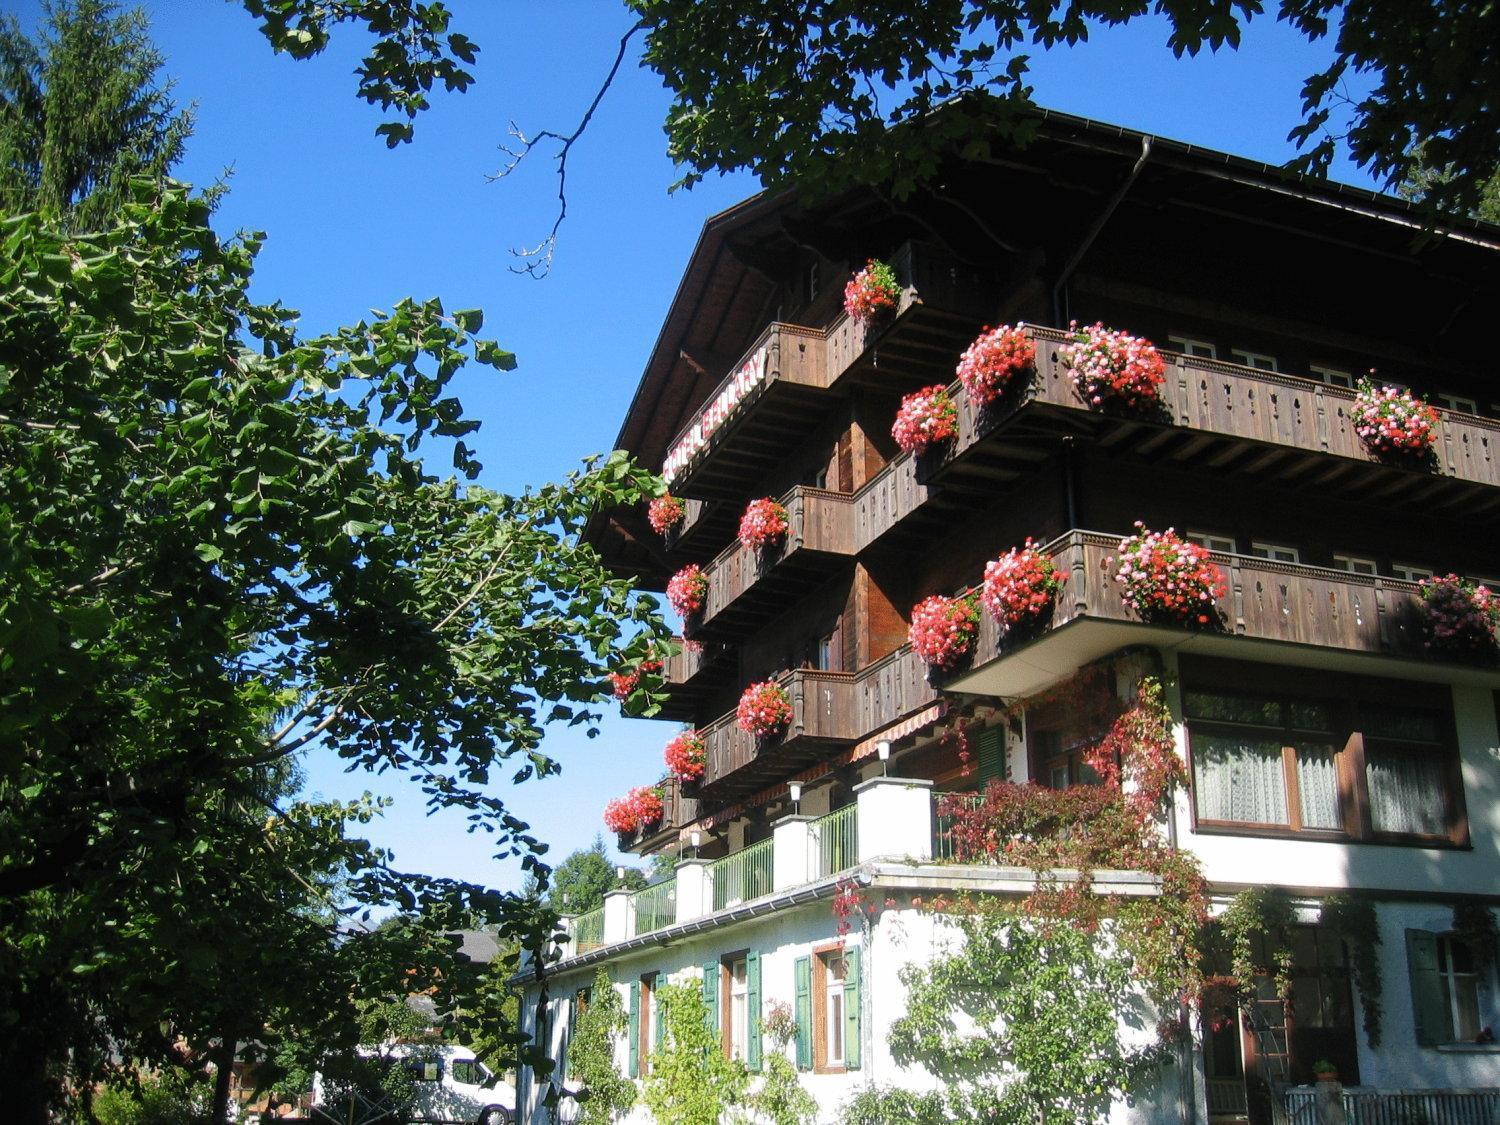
(1088, 241)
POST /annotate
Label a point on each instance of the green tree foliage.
(82, 112)
(780, 1098)
(1422, 179)
(219, 546)
(891, 1105)
(832, 95)
(1021, 1022)
(608, 1095)
(691, 1082)
(579, 881)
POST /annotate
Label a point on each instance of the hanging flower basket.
(765, 522)
(1020, 588)
(1114, 369)
(624, 683)
(1168, 580)
(686, 756)
(995, 362)
(1393, 423)
(638, 809)
(764, 709)
(926, 418)
(1460, 616)
(872, 293)
(688, 590)
(943, 630)
(664, 513)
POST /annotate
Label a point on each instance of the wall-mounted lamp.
(696, 839)
(620, 875)
(883, 752)
(794, 790)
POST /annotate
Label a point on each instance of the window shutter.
(711, 997)
(802, 972)
(658, 1024)
(852, 993)
(1428, 1004)
(567, 1039)
(991, 755)
(633, 1044)
(752, 1006)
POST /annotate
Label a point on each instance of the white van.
(452, 1086)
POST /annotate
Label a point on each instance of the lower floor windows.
(739, 1008)
(1450, 984)
(834, 972)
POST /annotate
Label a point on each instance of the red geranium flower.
(926, 417)
(994, 360)
(1391, 421)
(688, 590)
(1112, 367)
(764, 709)
(1020, 586)
(665, 513)
(872, 292)
(943, 629)
(1167, 579)
(686, 755)
(764, 522)
(639, 808)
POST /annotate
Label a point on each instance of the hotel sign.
(752, 373)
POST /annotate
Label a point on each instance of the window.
(470, 1072)
(645, 1025)
(1354, 564)
(1447, 981)
(834, 968)
(1373, 760)
(1460, 403)
(1253, 359)
(1410, 573)
(734, 982)
(827, 1009)
(818, 478)
(1333, 377)
(739, 1008)
(812, 280)
(1275, 552)
(1058, 760)
(825, 649)
(426, 1070)
(1188, 346)
(1222, 543)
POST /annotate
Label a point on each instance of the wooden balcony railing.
(1205, 396)
(746, 585)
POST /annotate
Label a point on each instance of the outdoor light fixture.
(619, 874)
(696, 839)
(883, 751)
(795, 791)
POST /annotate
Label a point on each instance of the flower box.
(1394, 423)
(686, 756)
(1460, 616)
(765, 522)
(1167, 580)
(926, 418)
(638, 810)
(872, 294)
(943, 630)
(764, 710)
(1021, 588)
(1114, 370)
(995, 362)
(664, 513)
(688, 590)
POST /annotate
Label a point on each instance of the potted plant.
(943, 630)
(995, 362)
(1325, 1071)
(1114, 369)
(765, 522)
(664, 513)
(1394, 424)
(1166, 580)
(764, 709)
(686, 756)
(872, 294)
(1460, 616)
(926, 418)
(1020, 588)
(631, 814)
(688, 590)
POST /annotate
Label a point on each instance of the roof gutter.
(1058, 313)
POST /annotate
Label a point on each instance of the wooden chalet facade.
(1269, 297)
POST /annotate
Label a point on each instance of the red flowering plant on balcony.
(926, 417)
(686, 756)
(1020, 587)
(872, 293)
(1392, 422)
(1114, 369)
(1168, 580)
(1460, 616)
(665, 512)
(995, 361)
(764, 709)
(943, 629)
(640, 808)
(687, 590)
(624, 682)
(764, 522)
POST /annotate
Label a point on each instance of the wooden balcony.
(1303, 615)
(763, 408)
(693, 676)
(747, 586)
(830, 710)
(1222, 417)
(705, 526)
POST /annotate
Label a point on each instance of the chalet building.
(1330, 746)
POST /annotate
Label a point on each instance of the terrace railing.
(655, 906)
(834, 846)
(743, 876)
(588, 930)
(1400, 1107)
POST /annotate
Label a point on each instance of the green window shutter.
(658, 1025)
(1429, 1005)
(711, 997)
(633, 1044)
(802, 972)
(567, 1040)
(752, 1009)
(991, 755)
(852, 994)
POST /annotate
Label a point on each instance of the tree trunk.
(223, 1057)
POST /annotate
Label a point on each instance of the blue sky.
(355, 226)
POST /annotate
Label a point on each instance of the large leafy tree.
(831, 93)
(580, 880)
(83, 111)
(220, 547)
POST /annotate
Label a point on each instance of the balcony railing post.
(695, 889)
(895, 819)
(794, 853)
(617, 915)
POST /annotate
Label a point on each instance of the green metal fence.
(942, 829)
(588, 930)
(742, 876)
(655, 906)
(835, 842)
